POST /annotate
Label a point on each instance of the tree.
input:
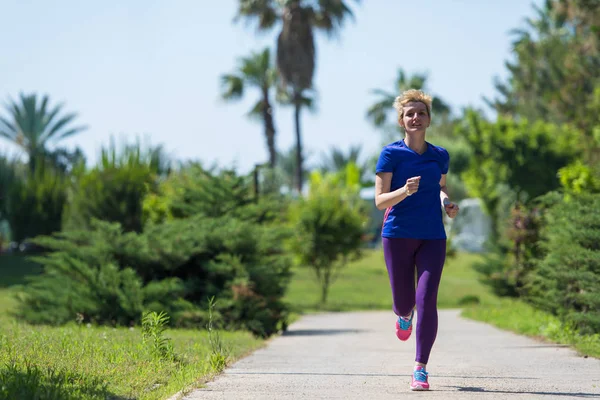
(521, 156)
(256, 71)
(566, 279)
(33, 126)
(328, 225)
(555, 74)
(296, 54)
(379, 112)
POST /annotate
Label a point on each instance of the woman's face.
(415, 118)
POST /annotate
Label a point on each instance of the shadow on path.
(321, 332)
(570, 394)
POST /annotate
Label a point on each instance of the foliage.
(336, 161)
(219, 352)
(555, 73)
(566, 279)
(8, 172)
(219, 241)
(578, 178)
(328, 225)
(34, 126)
(35, 203)
(517, 155)
(195, 190)
(115, 189)
(154, 326)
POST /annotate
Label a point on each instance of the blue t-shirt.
(418, 216)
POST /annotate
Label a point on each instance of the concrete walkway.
(357, 356)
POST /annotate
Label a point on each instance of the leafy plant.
(154, 326)
(219, 353)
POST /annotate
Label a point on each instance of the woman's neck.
(416, 144)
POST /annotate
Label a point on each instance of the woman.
(410, 185)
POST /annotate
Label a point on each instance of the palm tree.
(296, 54)
(336, 160)
(255, 71)
(32, 126)
(379, 112)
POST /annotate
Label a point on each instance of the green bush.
(110, 276)
(114, 190)
(35, 204)
(579, 178)
(566, 280)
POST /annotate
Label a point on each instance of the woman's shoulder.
(394, 147)
(439, 150)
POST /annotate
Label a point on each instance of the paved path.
(357, 356)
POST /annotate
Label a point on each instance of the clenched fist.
(412, 185)
(450, 208)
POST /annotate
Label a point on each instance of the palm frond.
(330, 15)
(233, 87)
(32, 124)
(256, 112)
(264, 11)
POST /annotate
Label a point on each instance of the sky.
(151, 69)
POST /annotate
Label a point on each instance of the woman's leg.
(429, 259)
(399, 257)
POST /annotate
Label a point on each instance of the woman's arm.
(450, 208)
(444, 197)
(384, 198)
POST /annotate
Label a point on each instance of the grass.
(519, 317)
(87, 362)
(90, 362)
(364, 285)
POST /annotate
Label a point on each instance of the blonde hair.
(409, 96)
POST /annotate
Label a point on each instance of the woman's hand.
(451, 208)
(412, 185)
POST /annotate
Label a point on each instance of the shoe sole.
(418, 388)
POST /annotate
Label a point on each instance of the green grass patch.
(519, 317)
(89, 362)
(364, 285)
(84, 362)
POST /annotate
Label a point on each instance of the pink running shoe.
(419, 379)
(404, 327)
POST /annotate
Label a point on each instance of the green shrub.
(35, 204)
(109, 276)
(328, 224)
(115, 189)
(566, 280)
(579, 178)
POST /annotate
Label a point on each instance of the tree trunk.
(299, 161)
(269, 128)
(325, 285)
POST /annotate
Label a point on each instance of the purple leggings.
(401, 257)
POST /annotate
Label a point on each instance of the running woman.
(410, 185)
